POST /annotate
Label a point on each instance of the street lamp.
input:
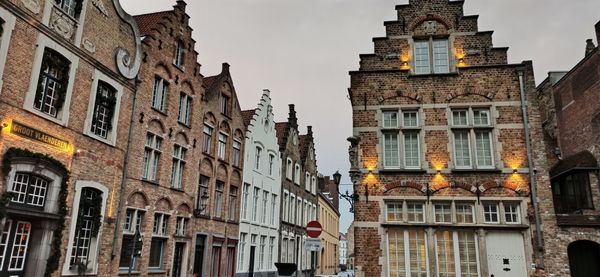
(351, 198)
(203, 203)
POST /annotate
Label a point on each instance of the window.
(264, 212)
(415, 212)
(255, 204)
(288, 171)
(52, 83)
(284, 250)
(431, 54)
(257, 158)
(87, 227)
(293, 210)
(284, 217)
(178, 166)
(445, 254)
(297, 174)
(270, 259)
(179, 54)
(235, 156)
(221, 150)
(224, 104)
(159, 241)
(216, 261)
(314, 185)
(70, 7)
(185, 109)
(472, 140)
(464, 213)
(390, 119)
(151, 157)
(219, 187)
(133, 221)
(443, 212)
(4, 240)
(207, 139)
(245, 201)
(232, 203)
(203, 190)
(467, 249)
(456, 251)
(405, 141)
(29, 189)
(181, 226)
(243, 237)
(490, 212)
(394, 212)
(271, 164)
(307, 181)
(159, 95)
(299, 212)
(273, 208)
(104, 109)
(261, 252)
(572, 193)
(19, 246)
(512, 213)
(407, 253)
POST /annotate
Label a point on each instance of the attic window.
(179, 54)
(224, 104)
(431, 56)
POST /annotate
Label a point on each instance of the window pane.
(443, 212)
(440, 56)
(422, 57)
(411, 150)
(415, 212)
(410, 119)
(391, 150)
(461, 148)
(483, 143)
(394, 212)
(156, 253)
(207, 139)
(396, 261)
(468, 254)
(390, 119)
(418, 253)
(459, 118)
(481, 117)
(490, 212)
(445, 254)
(464, 213)
(512, 213)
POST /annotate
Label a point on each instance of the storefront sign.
(37, 135)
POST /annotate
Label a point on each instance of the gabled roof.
(208, 82)
(149, 21)
(247, 116)
(304, 146)
(281, 129)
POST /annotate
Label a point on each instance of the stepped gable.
(281, 128)
(148, 22)
(247, 115)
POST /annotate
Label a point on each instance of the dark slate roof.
(149, 21)
(281, 128)
(581, 161)
(247, 116)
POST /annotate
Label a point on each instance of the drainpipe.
(536, 210)
(125, 169)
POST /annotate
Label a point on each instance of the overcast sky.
(302, 51)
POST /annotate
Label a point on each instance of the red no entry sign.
(313, 229)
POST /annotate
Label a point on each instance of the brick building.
(65, 108)
(261, 193)
(299, 191)
(570, 203)
(440, 151)
(329, 217)
(185, 164)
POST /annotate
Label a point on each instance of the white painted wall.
(261, 132)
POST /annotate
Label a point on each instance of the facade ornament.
(430, 27)
(32, 5)
(353, 152)
(127, 66)
(63, 25)
(88, 45)
(100, 6)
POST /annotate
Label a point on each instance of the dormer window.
(431, 56)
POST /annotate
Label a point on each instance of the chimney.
(589, 46)
(309, 131)
(598, 32)
(181, 5)
(224, 67)
(292, 117)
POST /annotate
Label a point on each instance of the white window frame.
(222, 146)
(508, 211)
(43, 42)
(406, 249)
(297, 170)
(289, 169)
(178, 167)
(112, 133)
(485, 212)
(179, 58)
(431, 66)
(9, 25)
(257, 155)
(409, 211)
(154, 159)
(456, 252)
(442, 212)
(162, 92)
(472, 130)
(400, 132)
(185, 109)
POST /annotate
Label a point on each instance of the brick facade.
(439, 135)
(57, 112)
(569, 112)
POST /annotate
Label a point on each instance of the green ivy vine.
(11, 154)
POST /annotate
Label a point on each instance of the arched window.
(52, 84)
(104, 110)
(583, 258)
